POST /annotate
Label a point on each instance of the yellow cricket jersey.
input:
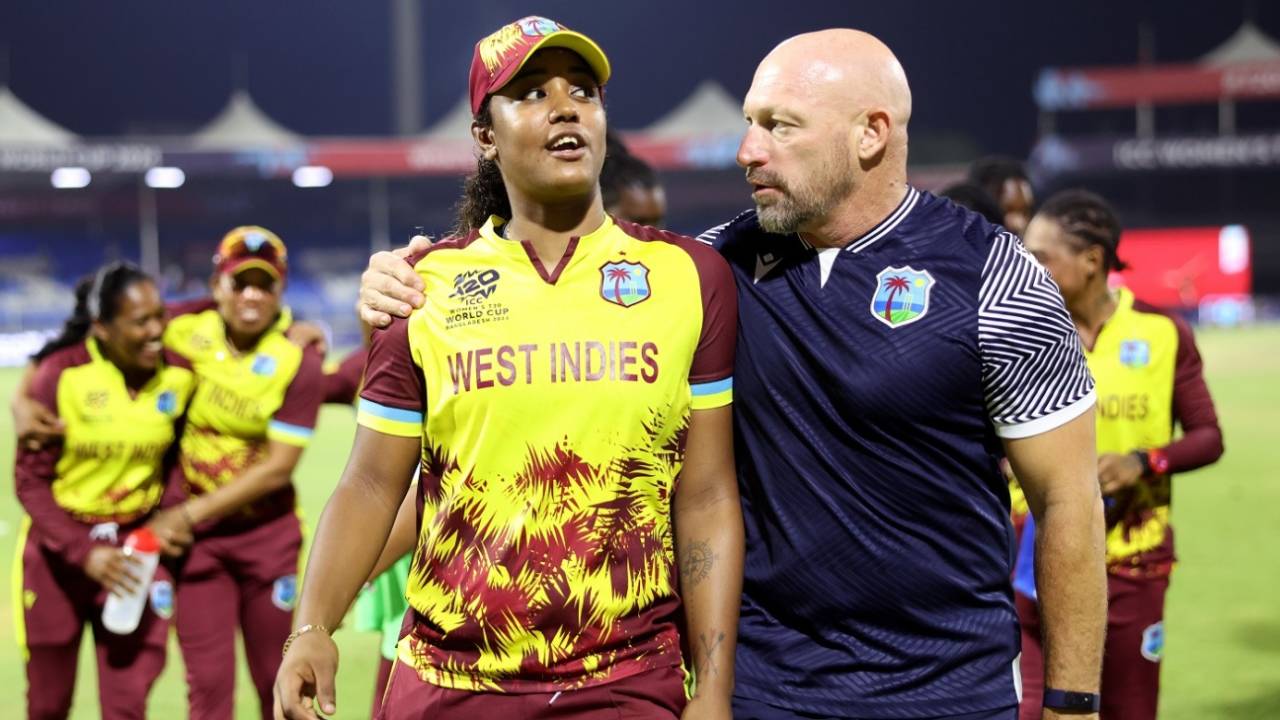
(243, 400)
(108, 466)
(553, 407)
(1148, 375)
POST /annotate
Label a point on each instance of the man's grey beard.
(787, 215)
(810, 203)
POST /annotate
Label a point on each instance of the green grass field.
(1223, 627)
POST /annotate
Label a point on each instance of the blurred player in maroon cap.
(254, 411)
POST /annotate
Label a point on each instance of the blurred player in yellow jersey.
(1149, 379)
(253, 413)
(119, 395)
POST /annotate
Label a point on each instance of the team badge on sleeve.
(284, 592)
(624, 283)
(162, 598)
(901, 296)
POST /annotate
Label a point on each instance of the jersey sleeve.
(394, 393)
(340, 386)
(35, 471)
(1034, 373)
(711, 374)
(295, 422)
(1201, 441)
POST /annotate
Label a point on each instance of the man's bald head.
(844, 68)
(826, 135)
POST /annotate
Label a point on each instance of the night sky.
(322, 67)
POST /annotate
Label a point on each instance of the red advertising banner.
(1180, 267)
(1119, 87)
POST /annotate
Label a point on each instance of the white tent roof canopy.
(21, 125)
(709, 110)
(1246, 44)
(243, 124)
(454, 125)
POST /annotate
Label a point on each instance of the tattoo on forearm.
(696, 562)
(708, 644)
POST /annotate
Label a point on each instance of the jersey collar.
(493, 232)
(884, 227)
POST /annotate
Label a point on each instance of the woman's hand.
(34, 424)
(306, 678)
(173, 528)
(109, 567)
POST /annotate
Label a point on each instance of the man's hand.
(390, 286)
(308, 334)
(306, 677)
(33, 423)
(109, 567)
(173, 529)
(1117, 472)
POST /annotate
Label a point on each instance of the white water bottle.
(122, 613)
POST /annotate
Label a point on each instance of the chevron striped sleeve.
(1033, 370)
(712, 236)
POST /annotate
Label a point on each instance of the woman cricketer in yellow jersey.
(119, 395)
(566, 388)
(1149, 378)
(248, 422)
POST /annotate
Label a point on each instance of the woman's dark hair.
(97, 298)
(1087, 216)
(971, 195)
(991, 172)
(483, 193)
(622, 170)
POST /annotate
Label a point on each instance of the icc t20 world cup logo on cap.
(901, 296)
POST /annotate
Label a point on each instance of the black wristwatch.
(1071, 702)
(1144, 460)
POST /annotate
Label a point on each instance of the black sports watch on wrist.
(1071, 702)
(1145, 460)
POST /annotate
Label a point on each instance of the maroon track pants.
(1131, 659)
(58, 600)
(246, 580)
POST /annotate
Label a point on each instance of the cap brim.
(584, 46)
(251, 263)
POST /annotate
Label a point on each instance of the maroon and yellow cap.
(500, 56)
(250, 246)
